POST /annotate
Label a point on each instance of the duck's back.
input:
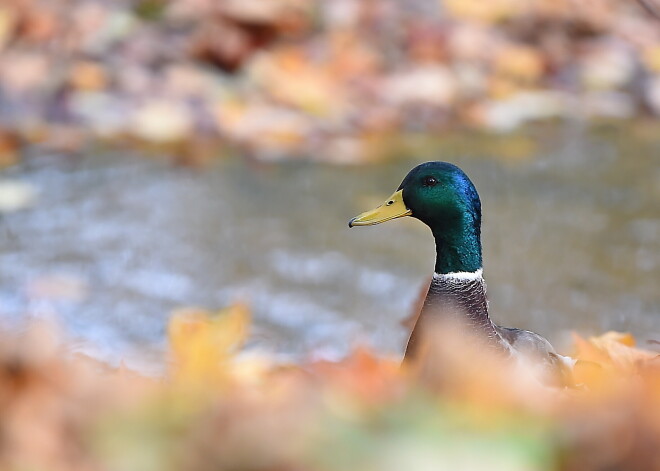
(556, 369)
(526, 342)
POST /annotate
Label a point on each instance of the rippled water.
(116, 242)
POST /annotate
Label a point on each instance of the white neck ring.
(461, 275)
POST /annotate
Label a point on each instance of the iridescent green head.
(441, 196)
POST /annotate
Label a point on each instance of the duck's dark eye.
(430, 181)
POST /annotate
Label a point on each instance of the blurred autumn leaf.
(216, 409)
(203, 344)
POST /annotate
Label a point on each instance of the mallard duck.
(442, 196)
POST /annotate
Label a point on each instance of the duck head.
(441, 196)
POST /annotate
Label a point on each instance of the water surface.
(115, 242)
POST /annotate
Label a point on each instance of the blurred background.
(161, 154)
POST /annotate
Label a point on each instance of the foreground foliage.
(218, 409)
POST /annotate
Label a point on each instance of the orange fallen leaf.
(604, 359)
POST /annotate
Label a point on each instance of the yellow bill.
(393, 208)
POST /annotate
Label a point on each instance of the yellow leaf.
(202, 344)
(651, 56)
(521, 63)
(625, 338)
